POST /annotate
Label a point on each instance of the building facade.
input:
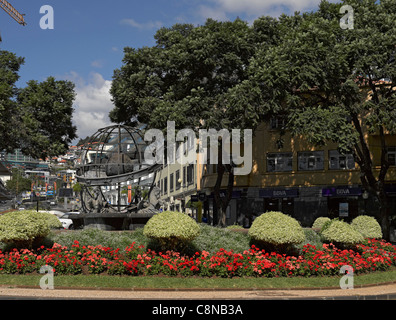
(179, 183)
(299, 179)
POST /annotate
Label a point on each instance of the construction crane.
(7, 7)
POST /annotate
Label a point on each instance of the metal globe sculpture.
(118, 189)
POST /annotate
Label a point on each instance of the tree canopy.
(186, 77)
(38, 118)
(332, 84)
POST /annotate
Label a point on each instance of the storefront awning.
(341, 192)
(278, 193)
(236, 194)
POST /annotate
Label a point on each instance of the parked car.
(63, 218)
(66, 222)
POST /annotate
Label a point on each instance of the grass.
(156, 282)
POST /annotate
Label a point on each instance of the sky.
(88, 37)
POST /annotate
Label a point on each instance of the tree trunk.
(384, 213)
(375, 186)
(222, 201)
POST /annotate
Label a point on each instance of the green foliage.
(172, 229)
(276, 228)
(186, 74)
(319, 222)
(77, 188)
(46, 112)
(18, 183)
(367, 226)
(38, 118)
(9, 129)
(22, 228)
(341, 233)
(51, 219)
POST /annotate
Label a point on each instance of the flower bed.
(371, 256)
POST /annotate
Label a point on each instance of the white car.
(66, 222)
(63, 218)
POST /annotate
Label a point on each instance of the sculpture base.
(111, 221)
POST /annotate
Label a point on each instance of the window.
(171, 182)
(190, 174)
(165, 185)
(177, 179)
(311, 160)
(338, 161)
(280, 161)
(391, 156)
(278, 122)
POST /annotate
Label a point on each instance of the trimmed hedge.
(341, 233)
(172, 229)
(319, 222)
(276, 228)
(367, 226)
(22, 228)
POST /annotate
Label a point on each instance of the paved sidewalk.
(380, 292)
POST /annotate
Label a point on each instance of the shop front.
(209, 210)
(343, 201)
(280, 199)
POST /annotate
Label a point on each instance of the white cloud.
(142, 26)
(92, 104)
(256, 8)
(214, 13)
(97, 64)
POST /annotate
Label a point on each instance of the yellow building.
(299, 179)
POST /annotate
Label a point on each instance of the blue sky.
(88, 38)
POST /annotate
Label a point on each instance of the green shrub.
(340, 233)
(367, 226)
(319, 222)
(234, 227)
(277, 230)
(22, 228)
(52, 220)
(172, 229)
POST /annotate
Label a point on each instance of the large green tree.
(185, 78)
(37, 118)
(18, 182)
(46, 110)
(336, 84)
(9, 68)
